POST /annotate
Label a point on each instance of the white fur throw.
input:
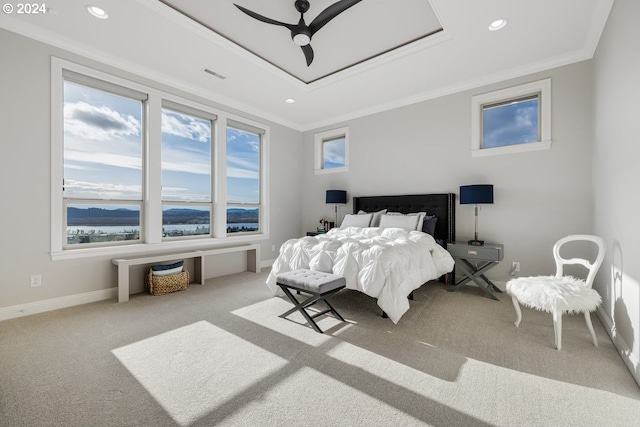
(550, 293)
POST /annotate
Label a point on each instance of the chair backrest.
(591, 266)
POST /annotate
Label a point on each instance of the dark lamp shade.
(336, 196)
(471, 194)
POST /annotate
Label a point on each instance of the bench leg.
(123, 283)
(302, 306)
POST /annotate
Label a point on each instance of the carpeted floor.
(219, 355)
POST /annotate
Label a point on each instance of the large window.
(332, 151)
(512, 120)
(243, 178)
(134, 168)
(103, 169)
(186, 172)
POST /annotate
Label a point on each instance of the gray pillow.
(375, 220)
(429, 224)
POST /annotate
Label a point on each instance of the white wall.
(425, 148)
(25, 180)
(616, 175)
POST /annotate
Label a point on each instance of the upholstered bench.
(318, 284)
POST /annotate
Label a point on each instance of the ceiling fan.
(301, 33)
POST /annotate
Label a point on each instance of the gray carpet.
(219, 355)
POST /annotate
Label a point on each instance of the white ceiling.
(153, 40)
(350, 38)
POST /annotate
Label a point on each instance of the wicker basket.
(160, 285)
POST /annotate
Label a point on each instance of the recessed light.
(289, 100)
(497, 24)
(97, 12)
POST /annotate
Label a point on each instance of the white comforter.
(386, 264)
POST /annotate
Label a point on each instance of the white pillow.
(406, 222)
(375, 220)
(351, 220)
(167, 272)
(420, 216)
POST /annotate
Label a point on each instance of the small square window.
(512, 120)
(332, 151)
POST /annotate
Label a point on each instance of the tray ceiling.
(365, 31)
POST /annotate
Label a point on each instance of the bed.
(384, 262)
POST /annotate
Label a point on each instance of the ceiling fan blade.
(329, 13)
(308, 53)
(264, 18)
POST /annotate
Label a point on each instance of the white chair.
(559, 294)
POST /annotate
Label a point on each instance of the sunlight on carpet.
(266, 313)
(192, 370)
(385, 368)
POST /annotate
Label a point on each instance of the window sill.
(331, 170)
(511, 149)
(150, 248)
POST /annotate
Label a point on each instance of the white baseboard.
(267, 263)
(629, 359)
(20, 310)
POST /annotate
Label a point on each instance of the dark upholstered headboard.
(440, 205)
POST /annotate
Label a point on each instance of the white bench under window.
(123, 264)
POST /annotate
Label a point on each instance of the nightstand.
(474, 261)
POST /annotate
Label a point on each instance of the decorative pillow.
(375, 220)
(160, 267)
(351, 220)
(429, 224)
(406, 222)
(420, 217)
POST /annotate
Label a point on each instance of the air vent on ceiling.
(213, 73)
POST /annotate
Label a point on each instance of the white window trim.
(543, 87)
(320, 138)
(152, 202)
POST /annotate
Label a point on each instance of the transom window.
(332, 151)
(512, 120)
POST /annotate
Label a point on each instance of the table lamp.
(337, 197)
(475, 194)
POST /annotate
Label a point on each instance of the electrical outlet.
(36, 280)
(515, 266)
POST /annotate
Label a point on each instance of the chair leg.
(516, 305)
(557, 328)
(587, 318)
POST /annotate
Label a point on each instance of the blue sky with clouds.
(513, 123)
(333, 153)
(103, 152)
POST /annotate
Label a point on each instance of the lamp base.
(476, 242)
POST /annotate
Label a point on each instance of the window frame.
(119, 91)
(151, 212)
(180, 108)
(541, 89)
(243, 126)
(329, 135)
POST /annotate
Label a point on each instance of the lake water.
(84, 229)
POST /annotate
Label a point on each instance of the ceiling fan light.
(301, 39)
